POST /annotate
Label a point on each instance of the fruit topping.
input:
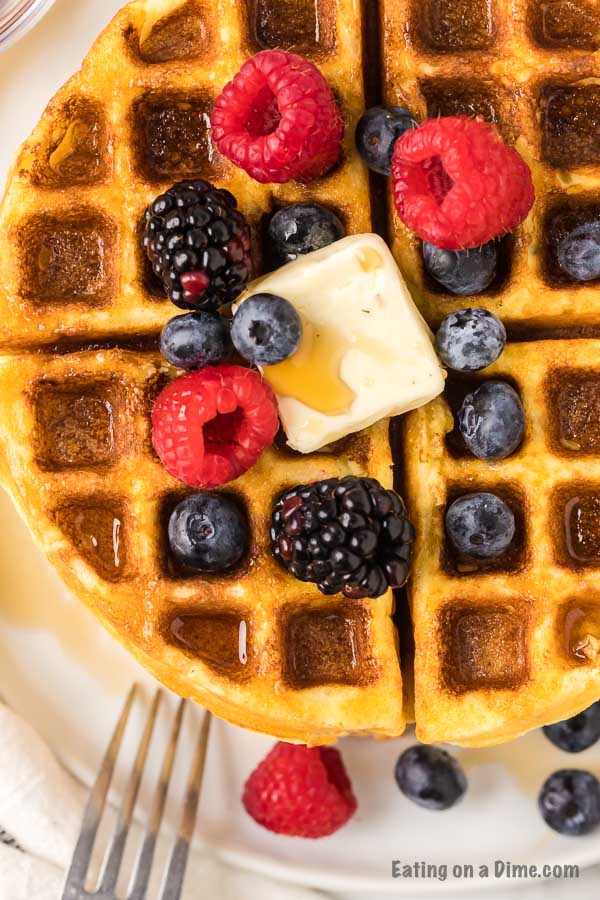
(578, 733)
(430, 777)
(346, 535)
(579, 252)
(299, 229)
(266, 329)
(208, 532)
(300, 791)
(195, 340)
(570, 802)
(457, 184)
(491, 420)
(465, 272)
(470, 340)
(480, 525)
(199, 245)
(209, 427)
(278, 119)
(377, 132)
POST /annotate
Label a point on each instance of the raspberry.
(457, 184)
(300, 791)
(210, 426)
(278, 119)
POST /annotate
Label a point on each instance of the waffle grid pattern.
(100, 154)
(507, 645)
(287, 659)
(531, 67)
(256, 646)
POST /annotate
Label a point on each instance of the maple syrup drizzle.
(312, 374)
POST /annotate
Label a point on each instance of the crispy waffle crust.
(513, 644)
(499, 649)
(505, 645)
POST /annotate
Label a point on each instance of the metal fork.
(173, 879)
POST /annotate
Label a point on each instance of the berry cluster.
(307, 793)
(458, 186)
(199, 244)
(346, 535)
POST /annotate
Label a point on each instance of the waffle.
(79, 314)
(134, 120)
(500, 648)
(532, 68)
(506, 645)
(493, 653)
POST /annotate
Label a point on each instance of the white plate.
(59, 669)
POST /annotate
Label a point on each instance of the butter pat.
(366, 352)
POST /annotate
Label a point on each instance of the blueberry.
(377, 132)
(195, 340)
(578, 733)
(430, 777)
(299, 229)
(266, 329)
(569, 801)
(579, 252)
(492, 420)
(464, 272)
(470, 339)
(208, 532)
(480, 525)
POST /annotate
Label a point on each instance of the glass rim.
(20, 17)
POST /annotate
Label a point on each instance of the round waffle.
(500, 648)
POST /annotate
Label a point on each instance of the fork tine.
(95, 807)
(173, 882)
(143, 867)
(115, 852)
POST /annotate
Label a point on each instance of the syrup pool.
(33, 599)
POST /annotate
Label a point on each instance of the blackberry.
(346, 535)
(199, 245)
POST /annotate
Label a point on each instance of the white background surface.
(68, 677)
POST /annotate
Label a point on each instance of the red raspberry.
(278, 120)
(457, 184)
(300, 791)
(209, 427)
